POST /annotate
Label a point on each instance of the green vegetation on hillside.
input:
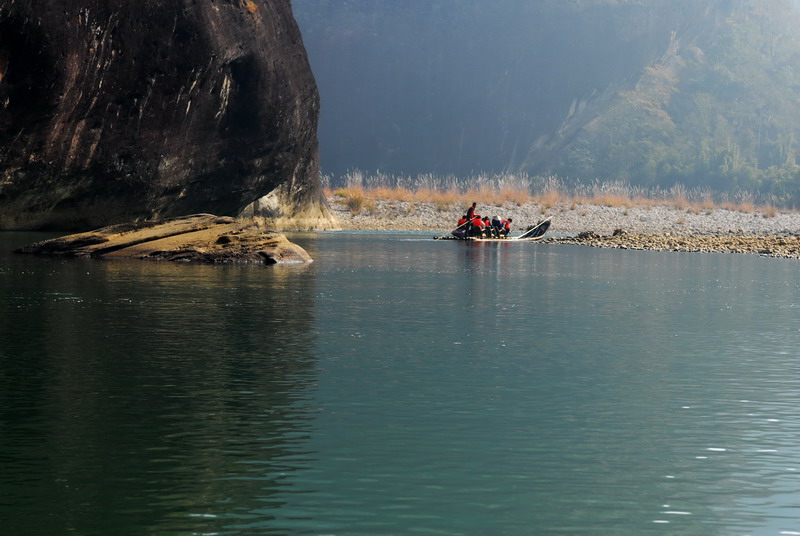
(649, 93)
(722, 112)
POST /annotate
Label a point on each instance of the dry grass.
(746, 207)
(443, 200)
(516, 196)
(483, 194)
(614, 200)
(392, 194)
(356, 200)
(707, 201)
(679, 202)
(549, 198)
(361, 192)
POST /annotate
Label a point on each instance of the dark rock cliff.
(112, 110)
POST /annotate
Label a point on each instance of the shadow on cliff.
(116, 111)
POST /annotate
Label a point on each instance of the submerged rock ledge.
(783, 246)
(203, 238)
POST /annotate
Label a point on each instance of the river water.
(400, 385)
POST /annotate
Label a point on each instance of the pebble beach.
(662, 228)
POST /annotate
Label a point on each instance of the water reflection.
(146, 397)
(426, 386)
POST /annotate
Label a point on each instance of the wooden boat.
(531, 234)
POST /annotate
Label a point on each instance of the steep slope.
(113, 111)
(719, 110)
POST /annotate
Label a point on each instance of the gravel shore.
(656, 228)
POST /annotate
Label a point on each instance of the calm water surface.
(400, 385)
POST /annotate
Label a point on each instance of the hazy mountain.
(648, 91)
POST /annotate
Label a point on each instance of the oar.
(532, 229)
(456, 229)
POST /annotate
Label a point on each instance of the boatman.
(471, 211)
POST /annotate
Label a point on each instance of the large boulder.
(119, 110)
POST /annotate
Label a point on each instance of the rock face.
(197, 238)
(113, 110)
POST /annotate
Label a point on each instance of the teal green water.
(400, 385)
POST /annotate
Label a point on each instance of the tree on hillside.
(722, 111)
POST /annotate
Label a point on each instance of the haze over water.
(401, 385)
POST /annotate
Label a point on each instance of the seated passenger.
(497, 225)
(487, 227)
(476, 229)
(506, 227)
(461, 231)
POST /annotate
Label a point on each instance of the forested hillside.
(651, 92)
(721, 110)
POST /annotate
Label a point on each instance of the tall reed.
(548, 191)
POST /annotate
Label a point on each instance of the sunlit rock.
(198, 238)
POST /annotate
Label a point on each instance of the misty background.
(648, 92)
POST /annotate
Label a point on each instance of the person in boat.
(497, 225)
(487, 227)
(461, 231)
(505, 227)
(471, 211)
(476, 227)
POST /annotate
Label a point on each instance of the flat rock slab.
(201, 238)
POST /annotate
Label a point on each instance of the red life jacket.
(477, 222)
(506, 224)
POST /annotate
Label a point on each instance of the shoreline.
(657, 228)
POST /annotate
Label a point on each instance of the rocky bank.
(661, 228)
(786, 246)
